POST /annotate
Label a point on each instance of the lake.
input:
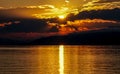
(60, 59)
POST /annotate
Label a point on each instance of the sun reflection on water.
(61, 59)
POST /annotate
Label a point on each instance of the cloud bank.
(88, 24)
(30, 29)
(106, 14)
(42, 11)
(101, 4)
(26, 11)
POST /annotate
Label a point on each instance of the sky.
(105, 17)
(41, 8)
(101, 4)
(53, 8)
(85, 4)
(19, 3)
(49, 8)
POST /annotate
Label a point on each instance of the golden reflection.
(61, 59)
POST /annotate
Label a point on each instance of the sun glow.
(50, 11)
(61, 13)
(61, 16)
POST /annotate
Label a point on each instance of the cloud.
(86, 25)
(41, 7)
(1, 8)
(24, 25)
(26, 11)
(2, 25)
(9, 23)
(93, 24)
(105, 1)
(107, 14)
(42, 11)
(41, 26)
(101, 4)
(32, 29)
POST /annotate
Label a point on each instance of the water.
(60, 59)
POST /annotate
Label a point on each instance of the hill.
(101, 37)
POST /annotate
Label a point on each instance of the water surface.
(60, 59)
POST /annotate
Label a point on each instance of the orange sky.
(19, 3)
(53, 8)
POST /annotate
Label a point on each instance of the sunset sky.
(19, 3)
(106, 14)
(53, 8)
(59, 3)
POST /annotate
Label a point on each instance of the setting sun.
(61, 16)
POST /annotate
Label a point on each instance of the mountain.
(6, 41)
(96, 37)
(101, 37)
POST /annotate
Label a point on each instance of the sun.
(61, 17)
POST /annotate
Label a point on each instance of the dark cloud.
(101, 4)
(26, 25)
(3, 24)
(105, 1)
(33, 28)
(108, 14)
